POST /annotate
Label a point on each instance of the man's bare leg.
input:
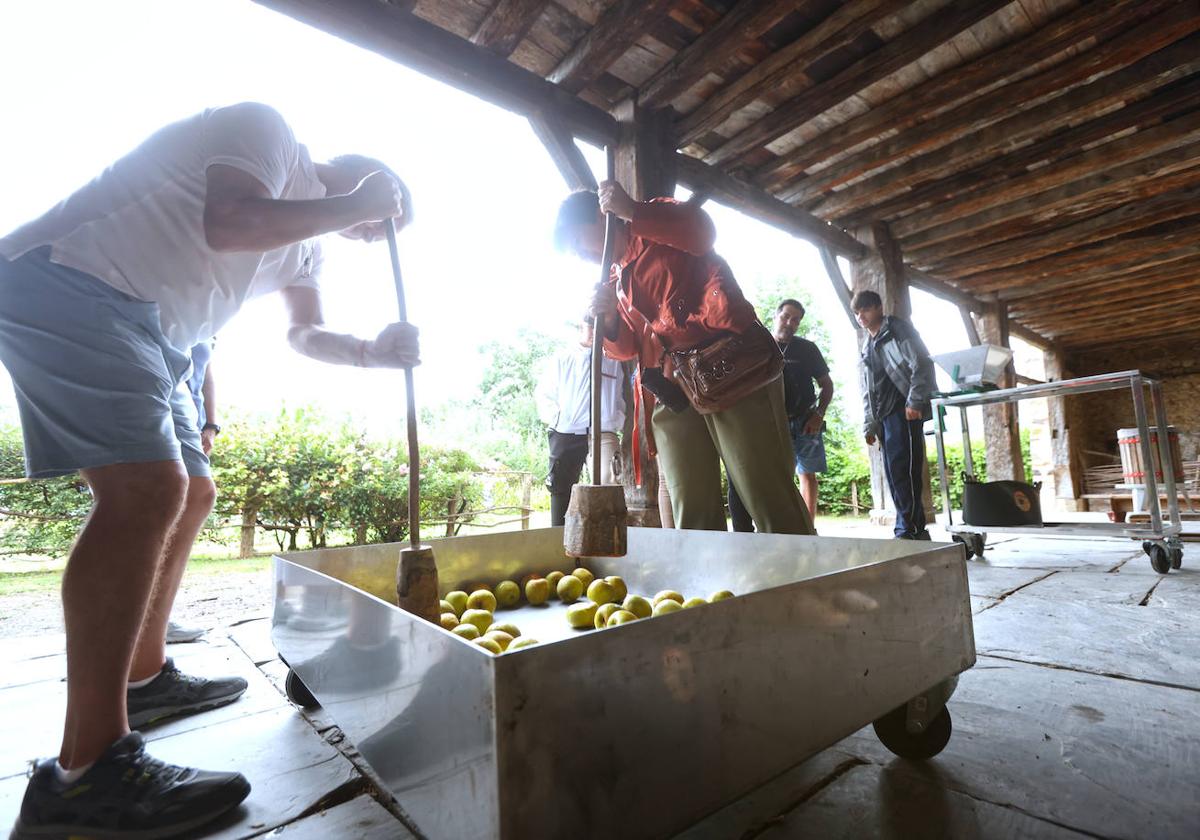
(107, 584)
(808, 489)
(150, 653)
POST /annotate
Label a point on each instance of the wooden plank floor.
(1081, 719)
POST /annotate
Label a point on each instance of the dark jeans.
(567, 456)
(904, 465)
(741, 519)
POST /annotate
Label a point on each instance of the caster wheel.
(297, 692)
(1160, 559)
(1176, 555)
(977, 544)
(891, 730)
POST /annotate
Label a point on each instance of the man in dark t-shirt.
(803, 365)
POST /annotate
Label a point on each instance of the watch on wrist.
(215, 428)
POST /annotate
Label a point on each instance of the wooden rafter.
(894, 55)
(1043, 191)
(605, 42)
(983, 132)
(698, 176)
(987, 72)
(1067, 289)
(842, 27)
(715, 46)
(507, 24)
(840, 287)
(405, 38)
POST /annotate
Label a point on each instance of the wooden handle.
(414, 452)
(610, 229)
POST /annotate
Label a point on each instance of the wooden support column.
(1001, 432)
(883, 271)
(1064, 488)
(645, 161)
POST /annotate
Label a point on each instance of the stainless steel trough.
(638, 730)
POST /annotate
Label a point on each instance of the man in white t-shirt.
(564, 401)
(101, 300)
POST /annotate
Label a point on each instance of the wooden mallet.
(595, 524)
(416, 576)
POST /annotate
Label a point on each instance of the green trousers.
(752, 439)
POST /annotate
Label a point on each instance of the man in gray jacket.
(897, 386)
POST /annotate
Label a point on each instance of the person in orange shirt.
(708, 371)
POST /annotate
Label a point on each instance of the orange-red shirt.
(670, 274)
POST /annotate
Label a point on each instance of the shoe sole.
(72, 832)
(149, 717)
(184, 638)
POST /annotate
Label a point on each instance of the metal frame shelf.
(1161, 538)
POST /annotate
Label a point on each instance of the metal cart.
(1161, 539)
(638, 730)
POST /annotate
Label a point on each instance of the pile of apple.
(608, 603)
(472, 617)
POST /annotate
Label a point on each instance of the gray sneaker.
(125, 794)
(178, 634)
(173, 693)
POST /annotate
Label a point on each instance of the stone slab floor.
(1080, 719)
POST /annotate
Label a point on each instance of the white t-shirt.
(564, 393)
(139, 226)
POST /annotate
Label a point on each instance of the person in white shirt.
(564, 400)
(101, 300)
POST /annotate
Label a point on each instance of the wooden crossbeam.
(698, 176)
(614, 33)
(1176, 307)
(877, 65)
(405, 38)
(1046, 190)
(1182, 290)
(986, 73)
(1124, 219)
(507, 24)
(984, 132)
(840, 287)
(565, 154)
(715, 46)
(842, 27)
(1105, 340)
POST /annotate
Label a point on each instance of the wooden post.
(452, 513)
(854, 497)
(1067, 467)
(526, 500)
(246, 545)
(1001, 432)
(645, 160)
(883, 271)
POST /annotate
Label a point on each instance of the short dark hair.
(789, 302)
(865, 299)
(579, 208)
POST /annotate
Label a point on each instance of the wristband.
(216, 429)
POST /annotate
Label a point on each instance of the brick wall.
(1098, 416)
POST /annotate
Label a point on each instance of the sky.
(478, 260)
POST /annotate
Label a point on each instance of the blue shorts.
(97, 382)
(808, 449)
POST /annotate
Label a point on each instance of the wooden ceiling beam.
(847, 23)
(1124, 219)
(1100, 282)
(429, 49)
(1165, 137)
(1008, 286)
(712, 49)
(507, 24)
(614, 33)
(1131, 296)
(699, 177)
(992, 133)
(1175, 308)
(1036, 220)
(986, 73)
(1048, 189)
(1150, 242)
(906, 48)
(1107, 342)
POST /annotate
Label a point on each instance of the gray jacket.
(907, 364)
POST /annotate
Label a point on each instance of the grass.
(48, 578)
